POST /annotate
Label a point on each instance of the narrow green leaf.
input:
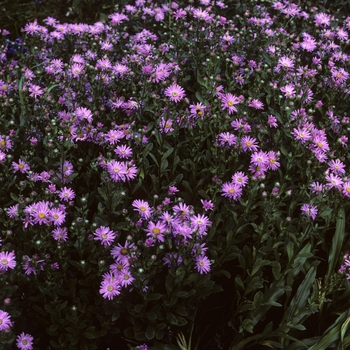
(337, 244)
(153, 296)
(300, 298)
(332, 334)
(167, 153)
(301, 258)
(163, 166)
(343, 330)
(154, 159)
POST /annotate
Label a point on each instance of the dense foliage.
(176, 176)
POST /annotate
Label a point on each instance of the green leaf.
(151, 315)
(163, 166)
(167, 153)
(154, 159)
(299, 261)
(260, 264)
(333, 333)
(150, 332)
(337, 245)
(153, 296)
(300, 298)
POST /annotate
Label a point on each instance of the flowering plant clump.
(176, 171)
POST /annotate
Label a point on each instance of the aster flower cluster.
(226, 106)
(170, 234)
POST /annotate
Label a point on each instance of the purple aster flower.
(123, 151)
(7, 261)
(120, 253)
(346, 189)
(285, 63)
(24, 341)
(182, 210)
(5, 321)
(256, 104)
(231, 190)
(30, 265)
(142, 207)
(21, 166)
(57, 216)
(272, 121)
(309, 210)
(240, 178)
(126, 278)
(249, 144)
(316, 187)
(175, 93)
(60, 234)
(110, 286)
(142, 347)
(301, 134)
(12, 212)
(35, 90)
(228, 101)
(227, 138)
(260, 159)
(66, 194)
(201, 14)
(2, 156)
(41, 213)
(105, 235)
(172, 260)
(273, 163)
(166, 125)
(322, 19)
(131, 172)
(156, 231)
(77, 70)
(334, 181)
(200, 223)
(172, 190)
(207, 204)
(337, 167)
(84, 113)
(202, 264)
(117, 170)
